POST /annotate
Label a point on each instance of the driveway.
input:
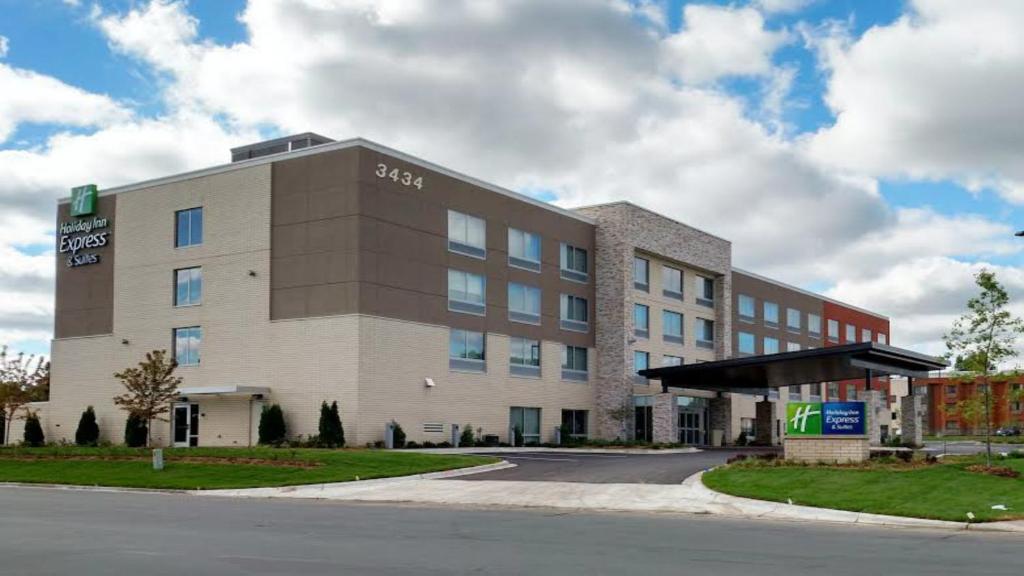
(607, 468)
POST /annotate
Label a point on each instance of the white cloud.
(719, 41)
(934, 95)
(782, 6)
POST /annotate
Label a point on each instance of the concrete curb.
(510, 450)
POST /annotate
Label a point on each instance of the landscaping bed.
(942, 490)
(213, 468)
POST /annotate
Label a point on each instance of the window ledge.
(574, 276)
(467, 250)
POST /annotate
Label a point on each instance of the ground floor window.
(527, 422)
(851, 392)
(575, 422)
(643, 418)
(748, 426)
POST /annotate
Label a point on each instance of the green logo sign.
(83, 200)
(803, 419)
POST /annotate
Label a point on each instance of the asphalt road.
(605, 468)
(968, 447)
(76, 532)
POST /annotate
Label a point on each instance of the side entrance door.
(186, 425)
(691, 427)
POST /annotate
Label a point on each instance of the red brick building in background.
(846, 325)
(943, 394)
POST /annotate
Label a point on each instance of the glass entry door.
(186, 425)
(527, 421)
(691, 427)
(643, 421)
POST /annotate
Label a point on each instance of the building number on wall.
(396, 175)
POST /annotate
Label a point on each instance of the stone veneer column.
(873, 400)
(911, 422)
(665, 418)
(764, 428)
(720, 416)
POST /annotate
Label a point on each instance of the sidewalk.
(565, 450)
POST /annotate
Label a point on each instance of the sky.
(869, 150)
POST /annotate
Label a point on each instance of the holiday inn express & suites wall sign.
(85, 235)
(826, 419)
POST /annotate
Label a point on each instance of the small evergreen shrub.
(33, 431)
(135, 431)
(398, 435)
(467, 438)
(88, 432)
(332, 435)
(272, 430)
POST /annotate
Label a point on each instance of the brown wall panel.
(84, 299)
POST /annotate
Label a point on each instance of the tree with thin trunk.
(151, 387)
(984, 337)
(19, 376)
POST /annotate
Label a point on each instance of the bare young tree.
(151, 386)
(20, 374)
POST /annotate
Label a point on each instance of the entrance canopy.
(223, 391)
(750, 373)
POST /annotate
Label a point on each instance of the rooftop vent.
(278, 145)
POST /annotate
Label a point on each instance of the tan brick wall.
(821, 449)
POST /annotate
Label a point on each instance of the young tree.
(33, 430)
(332, 435)
(272, 429)
(19, 377)
(88, 432)
(984, 337)
(622, 414)
(150, 389)
(135, 431)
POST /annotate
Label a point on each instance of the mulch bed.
(1001, 471)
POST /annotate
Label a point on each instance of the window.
(467, 234)
(882, 338)
(641, 320)
(574, 313)
(671, 360)
(466, 292)
(188, 229)
(466, 351)
(524, 249)
(792, 346)
(574, 363)
(771, 314)
(705, 333)
(526, 421)
(671, 326)
(792, 319)
(771, 345)
(833, 331)
(705, 291)
(832, 389)
(748, 428)
(814, 325)
(746, 308)
(523, 303)
(641, 273)
(641, 361)
(524, 357)
(851, 391)
(745, 343)
(865, 335)
(951, 390)
(815, 395)
(186, 345)
(188, 286)
(851, 333)
(672, 282)
(575, 421)
(796, 392)
(574, 263)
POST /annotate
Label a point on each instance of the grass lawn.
(210, 468)
(944, 491)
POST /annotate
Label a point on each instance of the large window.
(466, 292)
(575, 423)
(745, 343)
(467, 234)
(832, 390)
(641, 320)
(574, 363)
(641, 361)
(882, 338)
(851, 333)
(188, 286)
(672, 326)
(466, 350)
(851, 391)
(672, 282)
(641, 274)
(526, 421)
(705, 291)
(574, 263)
(668, 360)
(523, 303)
(188, 227)
(186, 345)
(524, 357)
(792, 346)
(574, 314)
(746, 308)
(771, 314)
(865, 335)
(833, 331)
(705, 333)
(792, 319)
(771, 345)
(814, 325)
(796, 392)
(524, 249)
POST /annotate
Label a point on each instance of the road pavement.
(969, 447)
(55, 531)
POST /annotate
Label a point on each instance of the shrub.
(398, 435)
(905, 455)
(742, 440)
(445, 444)
(736, 458)
(33, 431)
(429, 444)
(412, 445)
(88, 432)
(332, 435)
(272, 430)
(518, 436)
(565, 435)
(135, 431)
(467, 438)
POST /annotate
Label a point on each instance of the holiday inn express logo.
(83, 200)
(803, 418)
(825, 418)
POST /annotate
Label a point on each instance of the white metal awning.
(223, 390)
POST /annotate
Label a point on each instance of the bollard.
(558, 435)
(455, 435)
(389, 436)
(158, 459)
(512, 436)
